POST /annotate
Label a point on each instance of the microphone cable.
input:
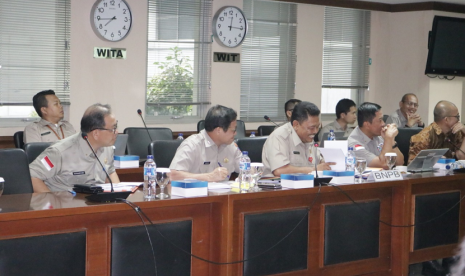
(222, 263)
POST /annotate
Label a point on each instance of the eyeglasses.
(233, 129)
(111, 129)
(411, 104)
(456, 116)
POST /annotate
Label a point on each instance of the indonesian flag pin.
(310, 159)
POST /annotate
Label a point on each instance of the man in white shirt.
(406, 115)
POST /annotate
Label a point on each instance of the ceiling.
(462, 2)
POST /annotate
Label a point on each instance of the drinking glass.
(256, 171)
(360, 166)
(162, 180)
(390, 159)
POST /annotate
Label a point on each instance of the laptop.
(120, 144)
(339, 136)
(425, 160)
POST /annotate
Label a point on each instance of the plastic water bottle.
(244, 166)
(350, 159)
(149, 178)
(252, 134)
(180, 137)
(331, 136)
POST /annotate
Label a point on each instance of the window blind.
(34, 49)
(346, 48)
(179, 55)
(268, 59)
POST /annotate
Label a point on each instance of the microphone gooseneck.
(140, 114)
(84, 136)
(316, 160)
(456, 148)
(269, 120)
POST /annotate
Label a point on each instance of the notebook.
(425, 160)
(120, 144)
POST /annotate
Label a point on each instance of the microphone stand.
(269, 120)
(104, 197)
(140, 114)
(455, 147)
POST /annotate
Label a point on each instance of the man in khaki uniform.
(290, 149)
(51, 126)
(71, 161)
(210, 155)
(346, 114)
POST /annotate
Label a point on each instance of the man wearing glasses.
(210, 155)
(71, 161)
(406, 115)
(445, 132)
(290, 148)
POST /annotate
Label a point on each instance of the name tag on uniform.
(206, 163)
(45, 133)
(79, 173)
(296, 152)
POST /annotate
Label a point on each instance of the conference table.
(355, 229)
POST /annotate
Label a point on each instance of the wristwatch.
(395, 145)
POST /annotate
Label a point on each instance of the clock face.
(229, 26)
(111, 19)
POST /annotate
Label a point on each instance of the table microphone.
(104, 197)
(457, 148)
(318, 181)
(269, 120)
(140, 114)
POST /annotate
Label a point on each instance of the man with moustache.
(211, 154)
(290, 148)
(71, 161)
(406, 115)
(346, 114)
(374, 137)
(51, 127)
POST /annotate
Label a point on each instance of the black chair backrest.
(35, 149)
(163, 152)
(403, 140)
(265, 130)
(200, 125)
(18, 138)
(14, 169)
(385, 117)
(139, 140)
(254, 145)
(240, 128)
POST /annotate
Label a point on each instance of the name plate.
(385, 176)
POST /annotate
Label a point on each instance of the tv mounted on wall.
(446, 55)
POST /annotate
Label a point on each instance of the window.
(268, 59)
(34, 55)
(346, 48)
(178, 60)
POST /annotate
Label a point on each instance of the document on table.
(334, 155)
(121, 187)
(219, 185)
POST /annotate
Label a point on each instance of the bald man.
(445, 132)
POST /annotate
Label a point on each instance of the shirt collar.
(209, 142)
(44, 122)
(436, 128)
(363, 136)
(85, 147)
(295, 138)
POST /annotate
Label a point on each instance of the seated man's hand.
(325, 166)
(413, 119)
(219, 174)
(458, 127)
(390, 131)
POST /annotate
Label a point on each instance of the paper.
(334, 155)
(121, 187)
(218, 185)
(338, 144)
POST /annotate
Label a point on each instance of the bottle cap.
(245, 152)
(149, 156)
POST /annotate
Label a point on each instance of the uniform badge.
(310, 159)
(226, 160)
(105, 161)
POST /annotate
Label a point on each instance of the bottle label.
(244, 166)
(149, 171)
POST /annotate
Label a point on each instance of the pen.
(219, 164)
(72, 192)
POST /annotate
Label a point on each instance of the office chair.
(265, 130)
(254, 145)
(385, 117)
(139, 140)
(240, 132)
(19, 139)
(35, 149)
(163, 151)
(403, 140)
(14, 169)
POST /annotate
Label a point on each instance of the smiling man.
(346, 114)
(71, 161)
(406, 115)
(374, 137)
(51, 126)
(211, 154)
(290, 148)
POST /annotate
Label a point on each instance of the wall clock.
(111, 20)
(229, 26)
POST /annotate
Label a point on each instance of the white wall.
(398, 50)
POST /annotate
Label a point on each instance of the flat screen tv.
(446, 55)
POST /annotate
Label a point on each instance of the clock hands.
(111, 19)
(231, 24)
